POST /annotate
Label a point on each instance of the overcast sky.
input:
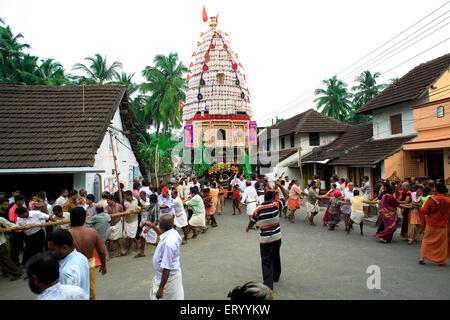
(286, 47)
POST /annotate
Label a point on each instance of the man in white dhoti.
(180, 217)
(198, 212)
(167, 283)
(150, 215)
(130, 224)
(250, 198)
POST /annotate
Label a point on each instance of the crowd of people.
(191, 204)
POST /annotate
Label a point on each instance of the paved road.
(316, 264)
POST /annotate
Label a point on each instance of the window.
(396, 124)
(221, 135)
(292, 140)
(314, 139)
(282, 143)
(268, 145)
(440, 111)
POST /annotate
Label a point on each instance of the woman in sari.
(388, 214)
(327, 216)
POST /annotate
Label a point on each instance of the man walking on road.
(167, 283)
(250, 198)
(268, 215)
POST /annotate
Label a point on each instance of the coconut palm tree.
(24, 71)
(166, 85)
(98, 70)
(51, 73)
(126, 79)
(393, 80)
(10, 52)
(334, 99)
(367, 88)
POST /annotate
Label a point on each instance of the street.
(316, 264)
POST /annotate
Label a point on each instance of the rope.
(65, 221)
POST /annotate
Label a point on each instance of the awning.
(427, 144)
(51, 170)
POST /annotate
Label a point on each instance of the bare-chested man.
(85, 240)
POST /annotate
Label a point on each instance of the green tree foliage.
(339, 103)
(98, 70)
(166, 85)
(334, 100)
(366, 90)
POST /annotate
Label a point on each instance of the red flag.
(191, 65)
(188, 77)
(194, 54)
(226, 34)
(198, 43)
(201, 34)
(217, 19)
(205, 16)
(180, 104)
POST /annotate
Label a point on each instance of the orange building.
(430, 152)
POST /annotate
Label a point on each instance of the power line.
(380, 55)
(386, 70)
(405, 47)
(415, 56)
(416, 23)
(286, 106)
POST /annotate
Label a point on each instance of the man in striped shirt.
(268, 215)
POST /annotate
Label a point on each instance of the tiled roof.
(356, 147)
(42, 126)
(309, 121)
(282, 155)
(411, 86)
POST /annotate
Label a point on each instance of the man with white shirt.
(335, 179)
(62, 198)
(167, 283)
(195, 183)
(254, 181)
(250, 198)
(180, 217)
(43, 279)
(146, 188)
(73, 266)
(240, 182)
(347, 207)
(104, 202)
(164, 202)
(186, 189)
(34, 237)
